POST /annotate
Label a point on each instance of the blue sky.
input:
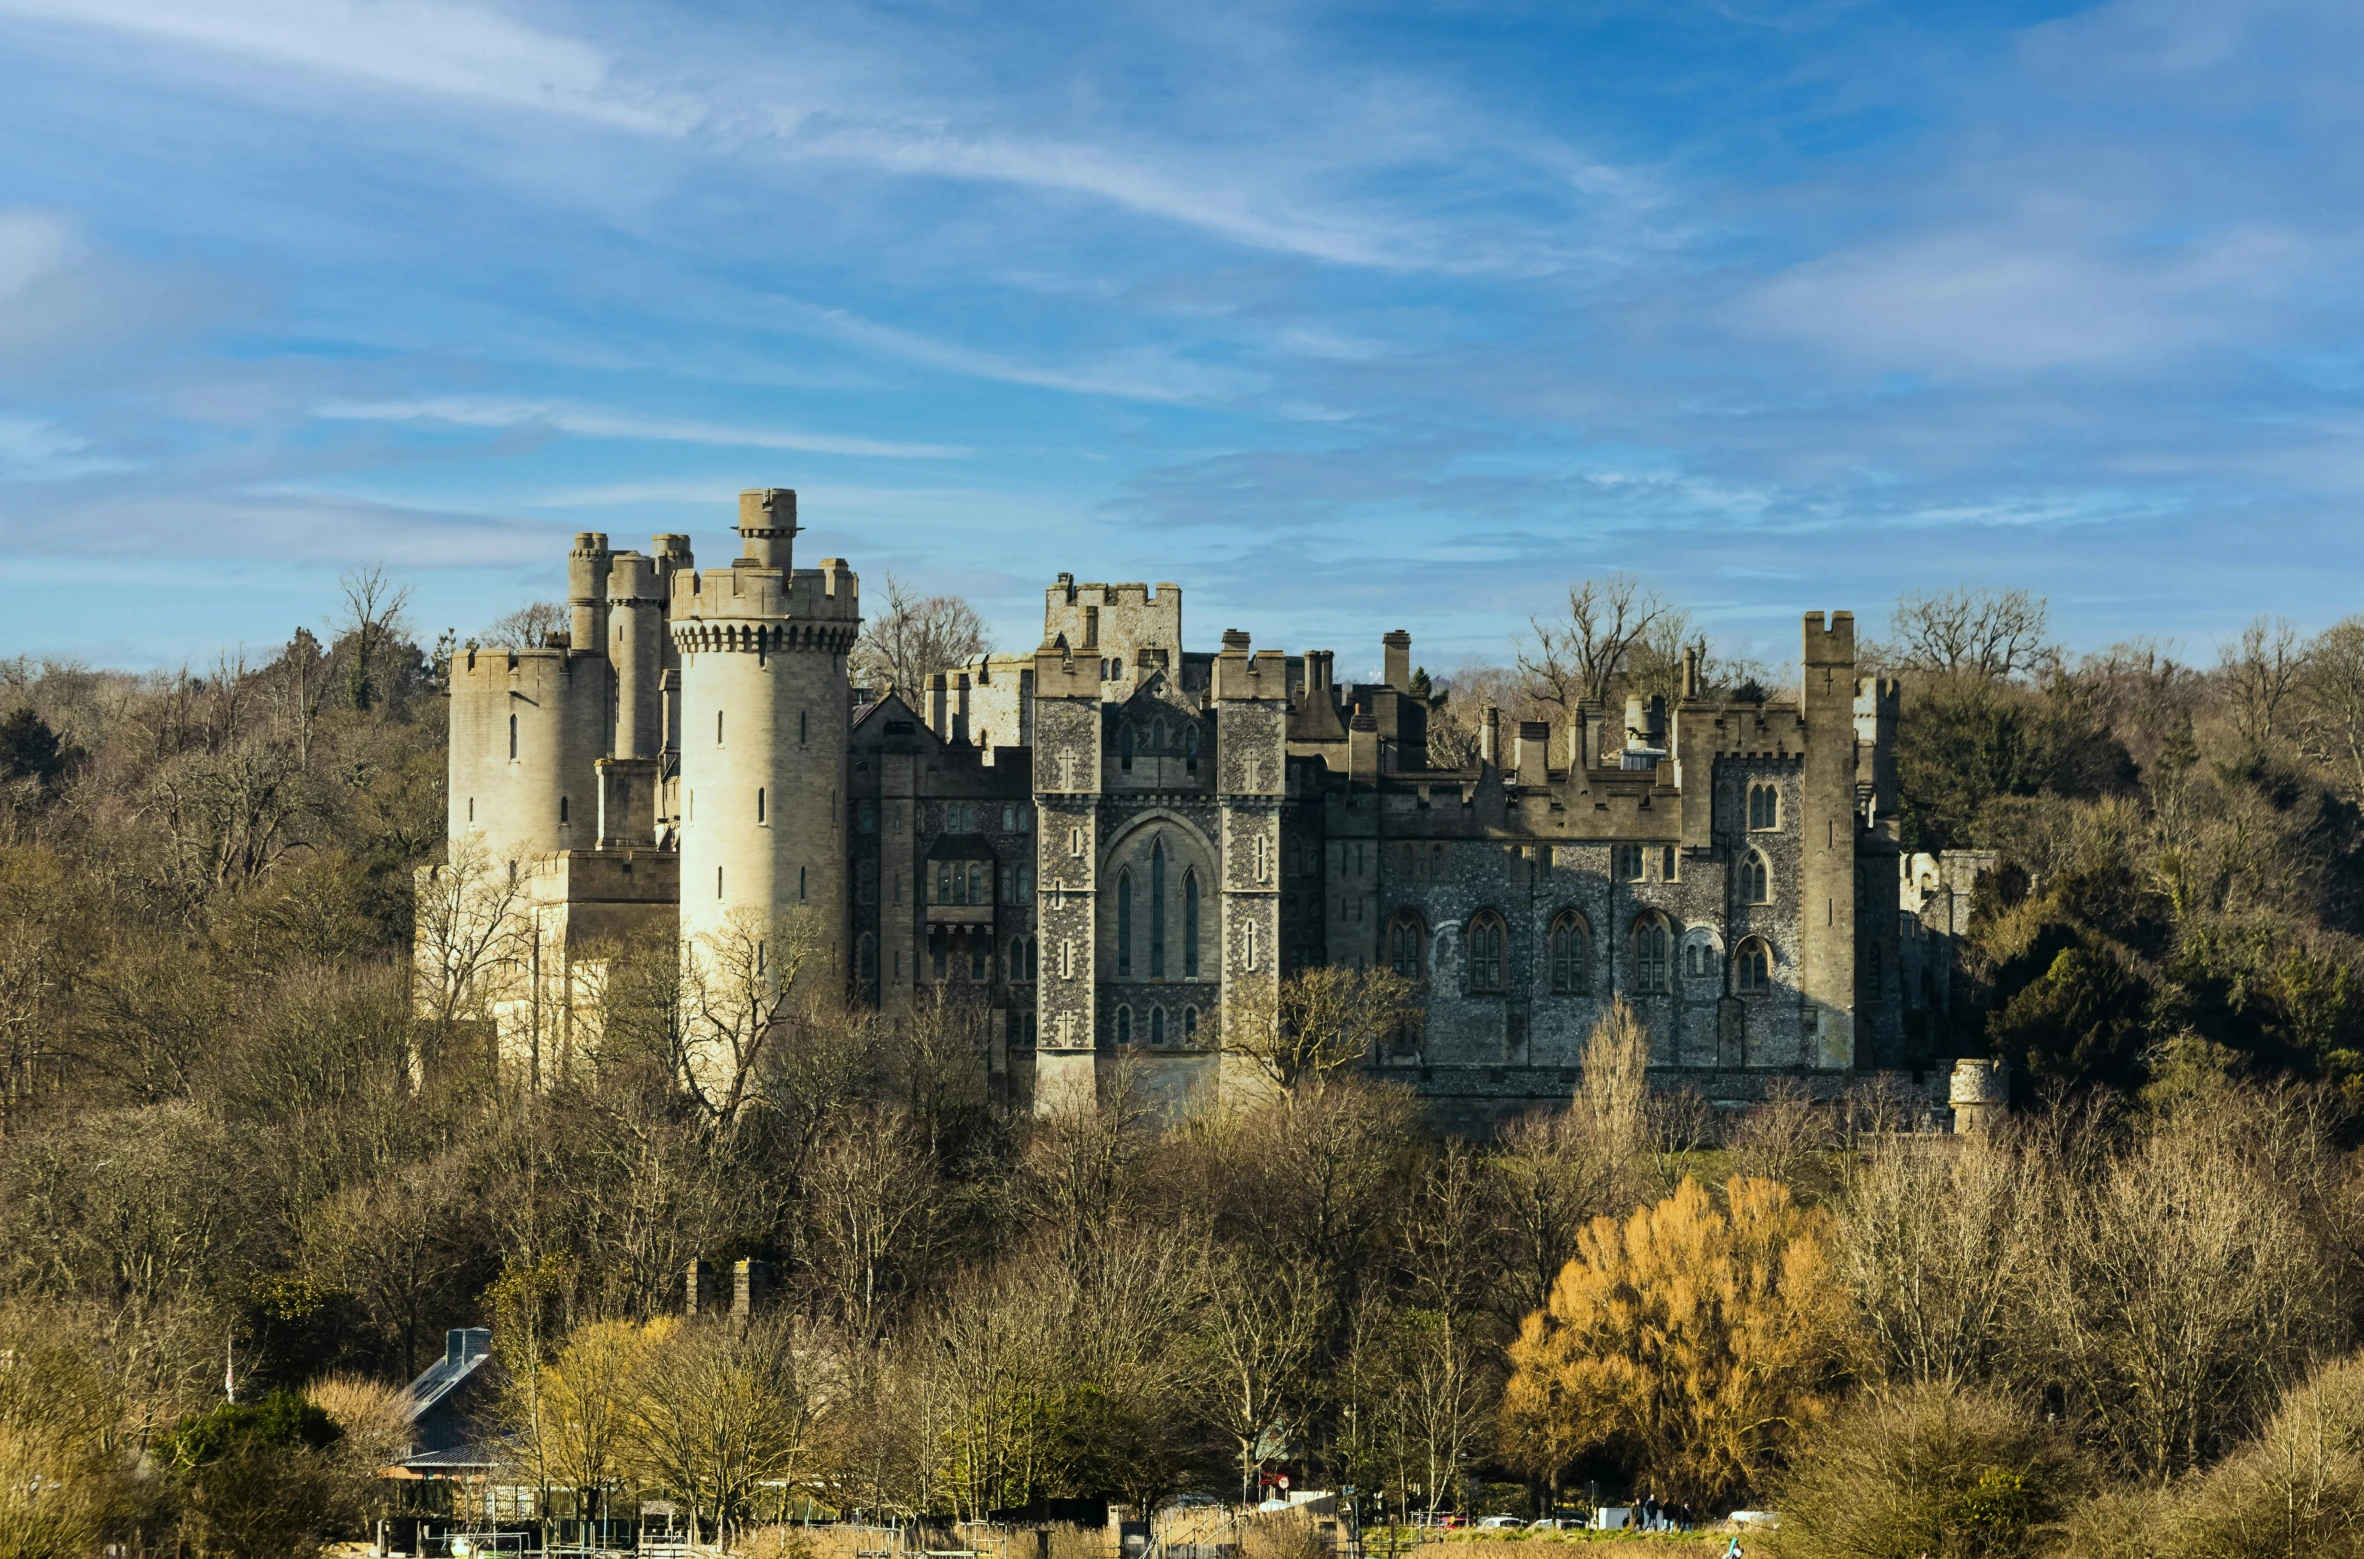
(1344, 317)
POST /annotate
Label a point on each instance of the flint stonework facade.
(1116, 840)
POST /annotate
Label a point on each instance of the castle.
(1115, 840)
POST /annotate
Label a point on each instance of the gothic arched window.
(1190, 925)
(1124, 924)
(1651, 944)
(1406, 940)
(1124, 1025)
(1124, 748)
(1752, 966)
(1764, 807)
(1485, 954)
(1157, 1025)
(1756, 879)
(1571, 950)
(1157, 911)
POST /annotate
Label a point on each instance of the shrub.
(1952, 1474)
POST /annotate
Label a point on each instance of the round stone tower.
(528, 727)
(764, 715)
(1980, 1093)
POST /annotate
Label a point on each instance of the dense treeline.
(2117, 1323)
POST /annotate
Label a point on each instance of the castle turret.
(527, 729)
(764, 713)
(586, 590)
(636, 651)
(1826, 976)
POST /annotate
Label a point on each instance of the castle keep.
(1115, 840)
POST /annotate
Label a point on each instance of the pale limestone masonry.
(1116, 840)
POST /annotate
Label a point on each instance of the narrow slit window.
(760, 815)
(1124, 925)
(1157, 917)
(512, 738)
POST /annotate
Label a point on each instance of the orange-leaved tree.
(1687, 1342)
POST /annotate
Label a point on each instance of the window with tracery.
(1652, 946)
(1485, 954)
(1570, 955)
(1406, 939)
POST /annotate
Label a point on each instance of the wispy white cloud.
(2043, 289)
(583, 422)
(32, 450)
(1285, 200)
(1232, 203)
(33, 245)
(1143, 375)
(435, 46)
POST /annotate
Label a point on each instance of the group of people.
(1651, 1516)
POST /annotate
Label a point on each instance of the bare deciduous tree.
(724, 1409)
(738, 986)
(1317, 1021)
(1613, 1095)
(527, 627)
(1549, 1180)
(1263, 1319)
(2266, 668)
(2179, 1286)
(2332, 701)
(372, 627)
(570, 1424)
(469, 938)
(1936, 1249)
(1783, 1138)
(869, 1191)
(1988, 634)
(1579, 658)
(915, 637)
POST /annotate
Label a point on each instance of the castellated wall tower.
(764, 710)
(528, 728)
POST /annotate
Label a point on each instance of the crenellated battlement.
(830, 593)
(509, 663)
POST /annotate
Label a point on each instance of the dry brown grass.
(1585, 1545)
